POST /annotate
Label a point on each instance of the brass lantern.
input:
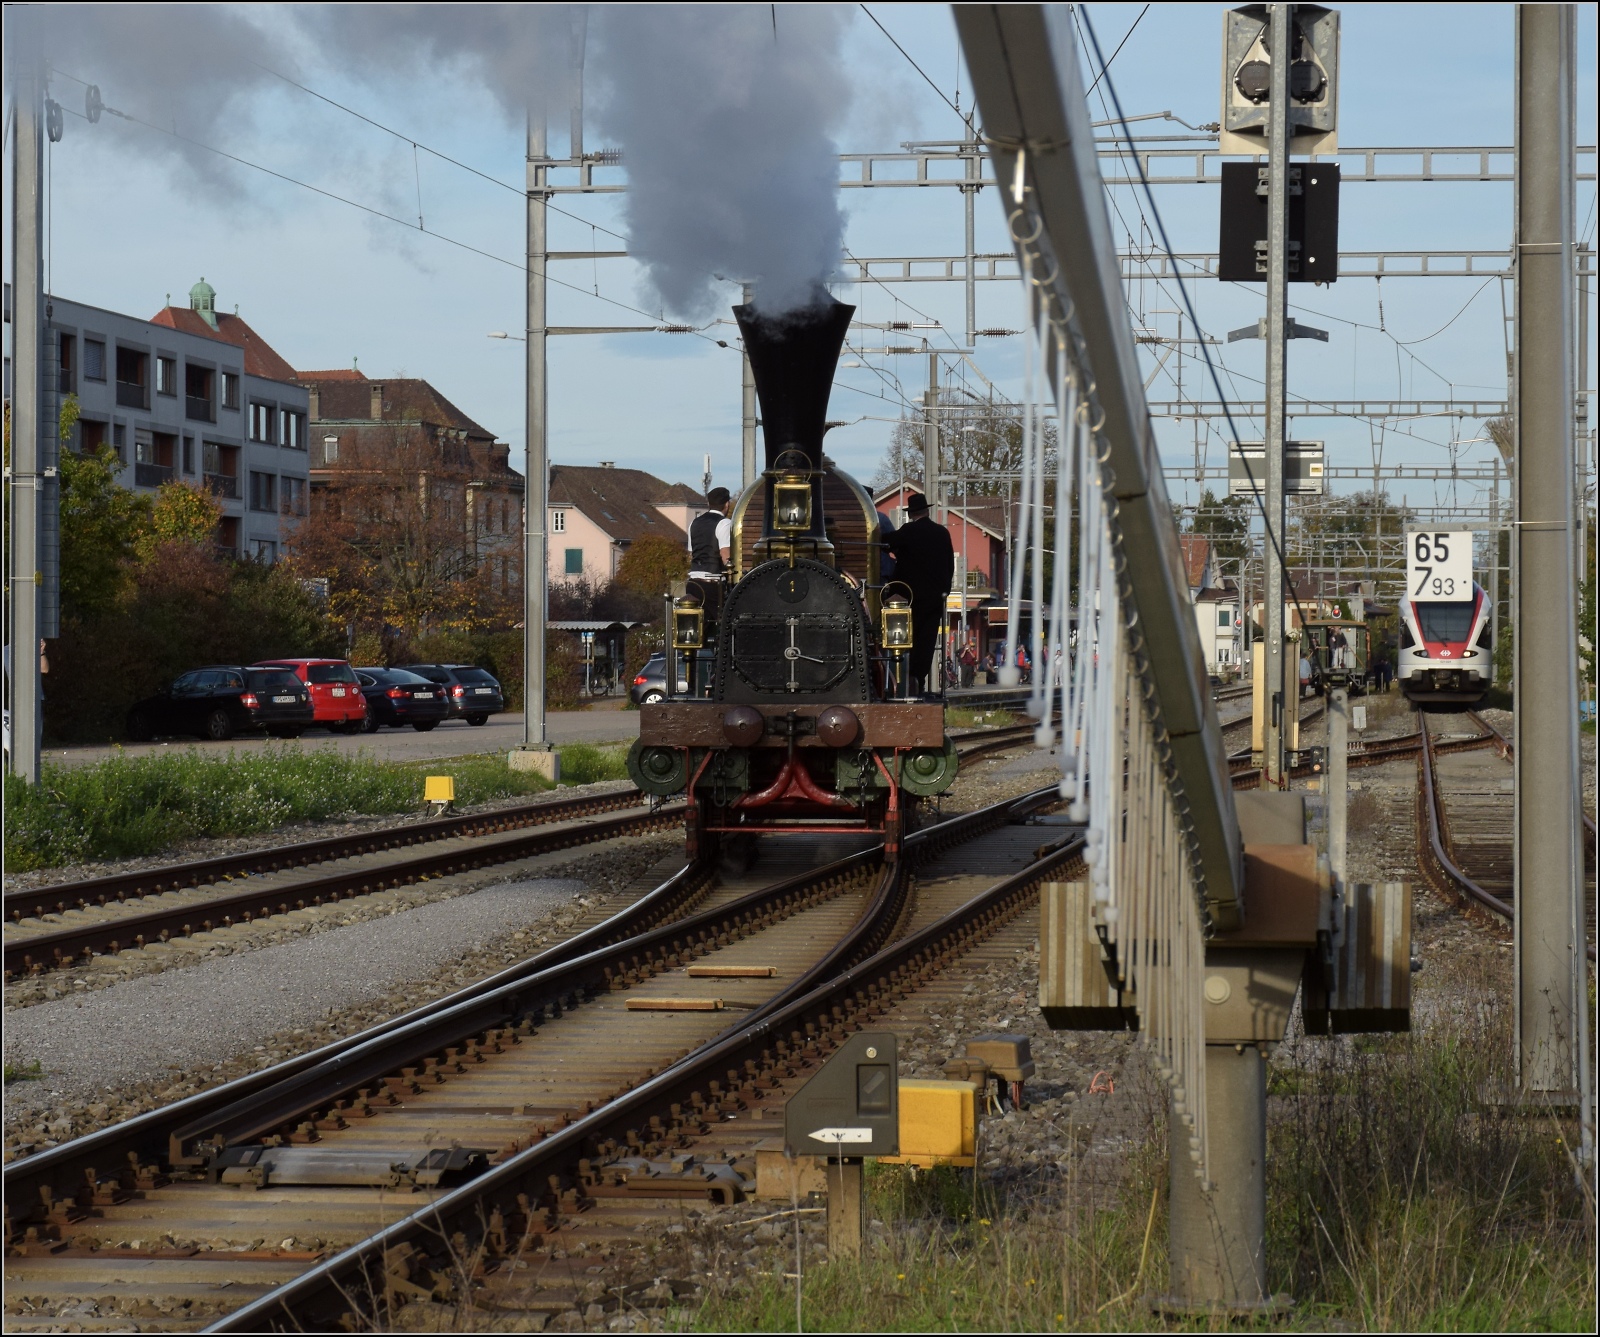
(688, 623)
(791, 493)
(894, 621)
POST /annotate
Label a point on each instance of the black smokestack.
(793, 358)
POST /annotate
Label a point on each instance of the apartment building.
(196, 396)
(596, 512)
(358, 424)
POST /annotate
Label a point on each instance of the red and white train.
(1446, 650)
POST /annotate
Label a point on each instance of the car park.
(221, 700)
(399, 697)
(473, 693)
(335, 693)
(650, 683)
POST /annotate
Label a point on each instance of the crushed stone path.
(192, 1019)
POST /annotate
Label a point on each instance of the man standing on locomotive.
(711, 548)
(925, 561)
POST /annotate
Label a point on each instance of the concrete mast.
(1549, 920)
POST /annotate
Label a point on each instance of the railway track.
(52, 927)
(1465, 819)
(546, 1091)
(110, 915)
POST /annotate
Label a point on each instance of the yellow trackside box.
(938, 1124)
(439, 789)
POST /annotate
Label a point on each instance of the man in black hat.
(711, 538)
(925, 560)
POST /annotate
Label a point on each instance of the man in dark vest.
(711, 548)
(925, 560)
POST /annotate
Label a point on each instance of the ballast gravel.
(183, 1020)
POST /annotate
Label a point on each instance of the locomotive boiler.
(795, 716)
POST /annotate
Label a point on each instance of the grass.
(129, 806)
(1397, 1200)
(23, 1072)
(958, 718)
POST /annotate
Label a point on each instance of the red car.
(335, 691)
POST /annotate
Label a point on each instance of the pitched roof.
(985, 513)
(1196, 556)
(620, 501)
(339, 374)
(346, 398)
(259, 357)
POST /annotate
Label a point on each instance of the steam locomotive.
(797, 715)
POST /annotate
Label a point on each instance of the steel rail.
(92, 892)
(1444, 873)
(581, 978)
(1507, 749)
(45, 951)
(747, 1053)
(146, 1138)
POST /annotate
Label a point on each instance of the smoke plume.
(725, 116)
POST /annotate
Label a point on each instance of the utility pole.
(969, 197)
(535, 753)
(752, 470)
(1281, 19)
(1552, 1044)
(29, 455)
(1494, 571)
(930, 441)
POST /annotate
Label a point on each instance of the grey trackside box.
(851, 1108)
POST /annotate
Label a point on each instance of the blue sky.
(326, 283)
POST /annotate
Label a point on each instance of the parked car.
(221, 700)
(650, 683)
(397, 697)
(474, 693)
(335, 693)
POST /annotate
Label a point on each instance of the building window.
(94, 360)
(293, 435)
(119, 442)
(144, 450)
(266, 551)
(558, 522)
(261, 422)
(1224, 619)
(293, 494)
(330, 449)
(574, 561)
(197, 389)
(91, 436)
(230, 390)
(133, 390)
(188, 454)
(263, 492)
(166, 375)
(67, 383)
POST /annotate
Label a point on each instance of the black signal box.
(1313, 223)
(851, 1107)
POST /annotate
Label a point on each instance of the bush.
(130, 806)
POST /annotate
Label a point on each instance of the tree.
(979, 441)
(99, 522)
(181, 514)
(1226, 522)
(650, 566)
(389, 535)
